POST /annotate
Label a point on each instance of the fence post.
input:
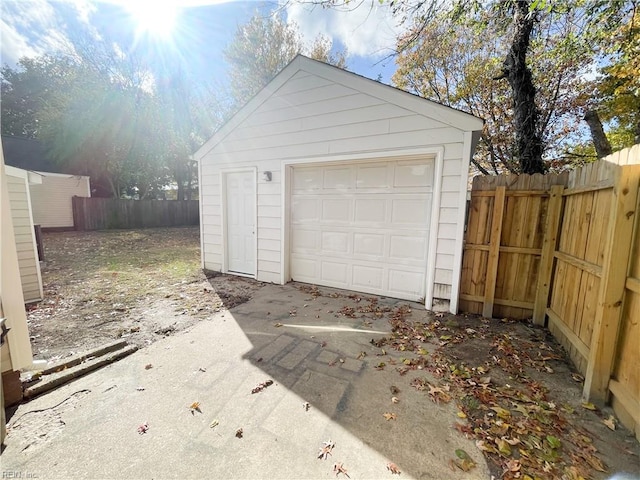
(552, 227)
(494, 251)
(77, 207)
(612, 284)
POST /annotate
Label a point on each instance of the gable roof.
(447, 115)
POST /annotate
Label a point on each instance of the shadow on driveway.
(320, 348)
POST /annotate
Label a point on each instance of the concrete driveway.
(89, 428)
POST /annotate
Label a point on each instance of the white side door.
(240, 212)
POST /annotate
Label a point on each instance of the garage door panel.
(304, 240)
(308, 179)
(408, 247)
(335, 242)
(337, 178)
(403, 281)
(368, 277)
(304, 210)
(337, 210)
(376, 176)
(368, 244)
(413, 211)
(413, 175)
(365, 228)
(304, 269)
(370, 210)
(336, 272)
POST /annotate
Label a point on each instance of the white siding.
(24, 235)
(51, 201)
(308, 117)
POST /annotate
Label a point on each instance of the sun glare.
(154, 17)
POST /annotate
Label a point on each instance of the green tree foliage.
(264, 46)
(101, 113)
(618, 89)
(32, 86)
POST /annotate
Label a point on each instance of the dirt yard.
(134, 284)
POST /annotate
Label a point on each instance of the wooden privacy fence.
(565, 251)
(110, 213)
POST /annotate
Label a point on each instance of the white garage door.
(362, 226)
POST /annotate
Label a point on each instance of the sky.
(190, 33)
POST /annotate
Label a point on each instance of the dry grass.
(138, 284)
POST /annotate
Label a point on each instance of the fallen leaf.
(577, 377)
(214, 424)
(143, 428)
(464, 461)
(485, 447)
(462, 455)
(277, 324)
(503, 447)
(553, 442)
(589, 406)
(513, 465)
(148, 366)
(610, 422)
(501, 412)
(389, 416)
(596, 463)
(393, 468)
(262, 386)
(380, 366)
(326, 449)
(239, 433)
(394, 400)
(195, 407)
(361, 355)
(462, 414)
(339, 468)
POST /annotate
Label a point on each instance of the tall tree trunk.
(515, 70)
(178, 175)
(599, 138)
(637, 139)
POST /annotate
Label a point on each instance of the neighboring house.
(19, 183)
(51, 200)
(330, 178)
(15, 352)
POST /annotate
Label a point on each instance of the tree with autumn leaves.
(265, 45)
(527, 68)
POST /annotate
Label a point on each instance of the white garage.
(330, 178)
